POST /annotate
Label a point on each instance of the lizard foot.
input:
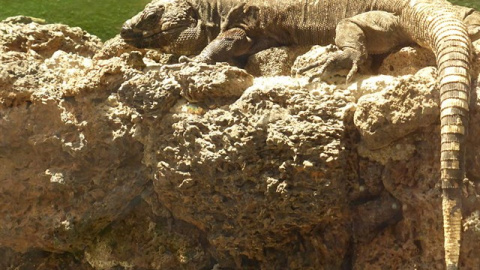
(332, 62)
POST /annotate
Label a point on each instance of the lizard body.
(224, 30)
(265, 23)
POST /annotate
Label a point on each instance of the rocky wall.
(117, 158)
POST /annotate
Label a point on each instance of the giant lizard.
(228, 30)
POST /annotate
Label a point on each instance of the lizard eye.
(191, 12)
(151, 19)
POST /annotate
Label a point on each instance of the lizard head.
(169, 25)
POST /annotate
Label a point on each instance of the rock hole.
(418, 244)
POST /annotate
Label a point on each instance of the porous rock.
(407, 60)
(261, 64)
(403, 106)
(201, 82)
(24, 34)
(243, 173)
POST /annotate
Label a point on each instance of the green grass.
(469, 3)
(100, 17)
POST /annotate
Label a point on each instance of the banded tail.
(447, 36)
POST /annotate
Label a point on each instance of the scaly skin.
(223, 30)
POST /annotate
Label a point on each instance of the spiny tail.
(448, 38)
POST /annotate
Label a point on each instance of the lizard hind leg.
(373, 32)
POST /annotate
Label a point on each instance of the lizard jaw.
(149, 38)
(128, 33)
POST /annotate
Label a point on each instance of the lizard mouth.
(163, 31)
(132, 35)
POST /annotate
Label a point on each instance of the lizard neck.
(211, 13)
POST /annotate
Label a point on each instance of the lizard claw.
(185, 59)
(331, 63)
(196, 59)
(352, 72)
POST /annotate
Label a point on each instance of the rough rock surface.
(261, 64)
(106, 163)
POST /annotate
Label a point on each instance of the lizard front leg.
(225, 47)
(373, 32)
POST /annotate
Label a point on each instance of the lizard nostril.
(125, 32)
(127, 29)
